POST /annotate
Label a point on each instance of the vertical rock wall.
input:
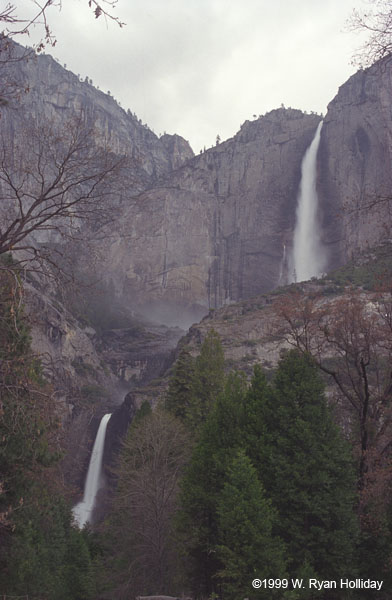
(213, 231)
(355, 164)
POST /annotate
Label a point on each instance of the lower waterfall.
(83, 510)
(309, 255)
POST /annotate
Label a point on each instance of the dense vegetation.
(227, 481)
(42, 554)
(264, 485)
(270, 485)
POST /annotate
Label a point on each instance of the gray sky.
(202, 67)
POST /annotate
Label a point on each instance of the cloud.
(201, 67)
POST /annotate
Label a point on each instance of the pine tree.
(181, 386)
(35, 520)
(78, 567)
(306, 468)
(247, 547)
(208, 380)
(220, 438)
(196, 383)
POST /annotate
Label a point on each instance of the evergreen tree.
(285, 432)
(247, 549)
(143, 411)
(220, 438)
(35, 521)
(208, 380)
(181, 386)
(79, 567)
(47, 556)
(306, 468)
(196, 383)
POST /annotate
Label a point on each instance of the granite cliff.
(198, 232)
(49, 92)
(354, 164)
(219, 228)
(214, 230)
(193, 234)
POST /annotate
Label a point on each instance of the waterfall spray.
(309, 255)
(83, 510)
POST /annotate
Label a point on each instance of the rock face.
(140, 354)
(117, 428)
(354, 164)
(195, 233)
(214, 230)
(52, 93)
(68, 353)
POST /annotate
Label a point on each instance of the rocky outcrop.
(139, 354)
(117, 428)
(354, 164)
(213, 231)
(49, 92)
(198, 233)
(69, 355)
(178, 149)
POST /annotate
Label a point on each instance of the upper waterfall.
(84, 509)
(309, 255)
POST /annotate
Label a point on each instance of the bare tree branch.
(376, 22)
(16, 24)
(51, 183)
(350, 340)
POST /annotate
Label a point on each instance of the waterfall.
(309, 255)
(83, 510)
(283, 268)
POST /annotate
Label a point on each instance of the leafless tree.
(376, 22)
(151, 463)
(350, 339)
(18, 24)
(52, 179)
(15, 23)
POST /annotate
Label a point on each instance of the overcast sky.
(202, 67)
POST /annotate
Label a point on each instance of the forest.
(257, 462)
(227, 481)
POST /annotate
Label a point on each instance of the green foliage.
(78, 567)
(247, 546)
(27, 411)
(196, 383)
(368, 270)
(180, 394)
(306, 468)
(209, 379)
(220, 438)
(47, 556)
(141, 413)
(273, 446)
(38, 539)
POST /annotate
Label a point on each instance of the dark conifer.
(181, 386)
(247, 546)
(306, 468)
